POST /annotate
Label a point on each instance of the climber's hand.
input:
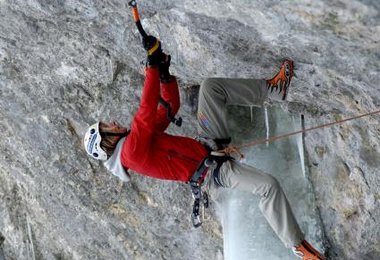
(153, 46)
(149, 42)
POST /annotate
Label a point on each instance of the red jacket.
(150, 151)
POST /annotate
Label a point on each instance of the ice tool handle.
(136, 19)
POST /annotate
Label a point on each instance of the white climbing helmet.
(92, 141)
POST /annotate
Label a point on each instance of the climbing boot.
(280, 83)
(307, 252)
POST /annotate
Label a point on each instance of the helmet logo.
(92, 141)
(90, 145)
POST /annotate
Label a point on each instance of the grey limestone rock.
(65, 64)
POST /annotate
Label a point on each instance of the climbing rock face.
(67, 64)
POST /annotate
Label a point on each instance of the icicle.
(299, 140)
(266, 123)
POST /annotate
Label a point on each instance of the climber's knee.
(273, 186)
(210, 86)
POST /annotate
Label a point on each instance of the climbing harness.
(236, 149)
(136, 19)
(213, 162)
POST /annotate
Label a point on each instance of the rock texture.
(66, 64)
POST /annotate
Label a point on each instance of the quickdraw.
(198, 195)
(212, 162)
(200, 198)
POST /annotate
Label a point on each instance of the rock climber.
(147, 149)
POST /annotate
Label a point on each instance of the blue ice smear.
(247, 234)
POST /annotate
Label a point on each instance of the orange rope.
(274, 138)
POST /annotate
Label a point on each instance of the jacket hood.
(113, 164)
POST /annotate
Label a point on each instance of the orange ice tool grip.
(135, 13)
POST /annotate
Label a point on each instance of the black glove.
(149, 42)
(153, 46)
(157, 58)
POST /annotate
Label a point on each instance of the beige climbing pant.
(214, 97)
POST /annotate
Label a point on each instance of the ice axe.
(136, 19)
